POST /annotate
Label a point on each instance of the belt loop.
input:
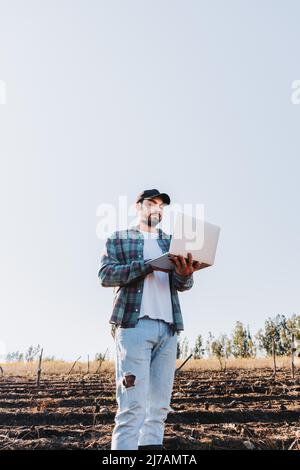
(172, 328)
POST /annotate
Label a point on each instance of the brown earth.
(235, 409)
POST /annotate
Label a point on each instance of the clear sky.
(107, 98)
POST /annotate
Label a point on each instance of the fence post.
(178, 368)
(274, 356)
(39, 370)
(74, 365)
(293, 349)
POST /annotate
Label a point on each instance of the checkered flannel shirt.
(122, 266)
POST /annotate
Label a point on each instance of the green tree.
(182, 348)
(15, 356)
(101, 356)
(219, 347)
(198, 349)
(242, 343)
(280, 330)
(49, 359)
(32, 352)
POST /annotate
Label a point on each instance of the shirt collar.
(159, 230)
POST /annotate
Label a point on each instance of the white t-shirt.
(156, 299)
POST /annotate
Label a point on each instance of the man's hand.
(183, 267)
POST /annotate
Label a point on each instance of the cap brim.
(164, 197)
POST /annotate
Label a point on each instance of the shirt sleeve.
(112, 273)
(182, 283)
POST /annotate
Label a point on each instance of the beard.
(153, 220)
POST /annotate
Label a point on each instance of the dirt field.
(236, 409)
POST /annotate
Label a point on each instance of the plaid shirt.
(123, 267)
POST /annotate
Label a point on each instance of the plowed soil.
(235, 409)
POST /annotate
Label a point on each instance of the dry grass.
(53, 367)
(63, 367)
(233, 363)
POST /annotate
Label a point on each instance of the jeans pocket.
(129, 340)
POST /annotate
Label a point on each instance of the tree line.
(275, 338)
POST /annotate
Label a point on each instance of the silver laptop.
(191, 235)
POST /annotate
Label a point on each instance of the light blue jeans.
(147, 352)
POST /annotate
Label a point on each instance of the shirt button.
(140, 255)
(136, 309)
(139, 290)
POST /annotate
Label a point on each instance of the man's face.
(151, 211)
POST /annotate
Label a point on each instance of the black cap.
(151, 193)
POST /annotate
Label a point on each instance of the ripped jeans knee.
(128, 380)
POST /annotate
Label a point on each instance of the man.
(146, 321)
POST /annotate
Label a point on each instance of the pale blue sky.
(106, 98)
